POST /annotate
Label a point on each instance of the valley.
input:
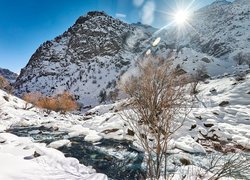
(89, 65)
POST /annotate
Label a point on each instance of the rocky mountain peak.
(90, 15)
(221, 2)
(97, 13)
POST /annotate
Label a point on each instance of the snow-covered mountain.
(86, 60)
(89, 58)
(8, 75)
(214, 36)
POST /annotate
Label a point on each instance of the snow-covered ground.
(221, 115)
(226, 116)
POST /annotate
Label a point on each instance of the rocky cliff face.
(86, 60)
(90, 56)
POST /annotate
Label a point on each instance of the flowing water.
(117, 159)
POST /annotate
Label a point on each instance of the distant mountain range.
(90, 57)
(8, 75)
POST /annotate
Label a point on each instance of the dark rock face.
(185, 161)
(206, 60)
(130, 132)
(8, 75)
(207, 124)
(224, 103)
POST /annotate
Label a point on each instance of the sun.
(181, 17)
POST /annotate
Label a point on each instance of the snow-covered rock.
(59, 143)
(188, 144)
(93, 137)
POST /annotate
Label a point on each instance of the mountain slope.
(213, 37)
(86, 60)
(8, 75)
(223, 28)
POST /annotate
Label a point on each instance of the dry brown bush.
(5, 85)
(2, 82)
(60, 103)
(31, 99)
(48, 103)
(66, 102)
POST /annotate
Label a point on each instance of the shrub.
(200, 75)
(5, 85)
(113, 95)
(60, 103)
(102, 96)
(66, 102)
(2, 82)
(31, 99)
(48, 103)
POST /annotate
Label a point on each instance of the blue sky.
(25, 24)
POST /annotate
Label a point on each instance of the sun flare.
(181, 17)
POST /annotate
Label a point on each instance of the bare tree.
(159, 104)
(236, 165)
(200, 75)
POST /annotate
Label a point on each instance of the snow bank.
(93, 137)
(20, 158)
(59, 143)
